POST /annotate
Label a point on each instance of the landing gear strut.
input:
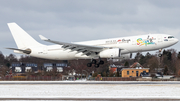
(160, 53)
(96, 64)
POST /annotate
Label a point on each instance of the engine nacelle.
(110, 53)
(126, 56)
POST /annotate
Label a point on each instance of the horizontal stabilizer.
(27, 51)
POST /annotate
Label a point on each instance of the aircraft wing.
(85, 49)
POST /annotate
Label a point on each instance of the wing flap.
(85, 49)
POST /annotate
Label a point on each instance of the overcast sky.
(81, 20)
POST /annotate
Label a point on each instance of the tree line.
(169, 61)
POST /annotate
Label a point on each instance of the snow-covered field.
(91, 90)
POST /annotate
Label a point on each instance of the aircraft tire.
(159, 55)
(101, 62)
(96, 65)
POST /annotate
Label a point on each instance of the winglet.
(43, 38)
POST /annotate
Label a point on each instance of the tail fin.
(23, 39)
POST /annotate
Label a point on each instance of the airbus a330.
(117, 48)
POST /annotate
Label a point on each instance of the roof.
(117, 66)
(136, 64)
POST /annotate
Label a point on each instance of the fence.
(115, 78)
(132, 79)
(60, 78)
(32, 78)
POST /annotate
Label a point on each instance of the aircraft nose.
(176, 40)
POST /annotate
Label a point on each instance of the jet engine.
(110, 53)
(126, 56)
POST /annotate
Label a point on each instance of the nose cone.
(176, 40)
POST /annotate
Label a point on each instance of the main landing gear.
(96, 63)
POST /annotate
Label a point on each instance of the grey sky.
(81, 20)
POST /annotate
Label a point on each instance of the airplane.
(95, 50)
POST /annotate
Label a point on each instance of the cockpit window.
(169, 37)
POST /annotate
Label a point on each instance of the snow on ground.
(90, 90)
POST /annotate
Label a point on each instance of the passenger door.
(159, 38)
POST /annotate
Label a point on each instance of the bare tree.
(137, 57)
(80, 66)
(4, 70)
(153, 63)
(1, 58)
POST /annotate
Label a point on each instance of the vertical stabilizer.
(23, 39)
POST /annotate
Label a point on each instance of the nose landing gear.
(160, 54)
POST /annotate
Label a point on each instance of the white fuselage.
(106, 48)
(131, 44)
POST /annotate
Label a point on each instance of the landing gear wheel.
(159, 55)
(89, 64)
(101, 62)
(96, 65)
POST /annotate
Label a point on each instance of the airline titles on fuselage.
(118, 41)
